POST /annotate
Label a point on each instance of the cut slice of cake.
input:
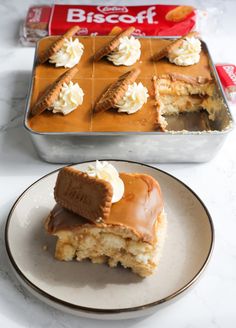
(132, 235)
(178, 93)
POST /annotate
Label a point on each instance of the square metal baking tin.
(149, 147)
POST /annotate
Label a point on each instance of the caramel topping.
(138, 209)
(163, 66)
(95, 78)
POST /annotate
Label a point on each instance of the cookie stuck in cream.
(134, 98)
(106, 171)
(70, 97)
(188, 53)
(69, 55)
(127, 53)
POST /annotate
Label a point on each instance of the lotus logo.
(112, 9)
(83, 31)
(138, 32)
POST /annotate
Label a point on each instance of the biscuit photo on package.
(179, 13)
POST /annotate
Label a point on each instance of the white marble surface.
(212, 302)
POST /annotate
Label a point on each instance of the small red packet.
(35, 25)
(227, 74)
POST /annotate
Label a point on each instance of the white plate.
(97, 291)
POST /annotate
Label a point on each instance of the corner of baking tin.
(25, 124)
(231, 124)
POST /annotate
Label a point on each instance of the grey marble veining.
(211, 303)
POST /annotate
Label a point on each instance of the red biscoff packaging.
(162, 20)
(227, 74)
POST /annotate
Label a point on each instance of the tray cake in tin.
(83, 135)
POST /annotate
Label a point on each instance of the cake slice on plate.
(129, 229)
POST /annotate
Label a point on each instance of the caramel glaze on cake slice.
(138, 209)
(132, 235)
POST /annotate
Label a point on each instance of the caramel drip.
(138, 209)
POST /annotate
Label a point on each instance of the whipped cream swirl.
(134, 98)
(187, 54)
(107, 172)
(69, 55)
(127, 53)
(70, 97)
